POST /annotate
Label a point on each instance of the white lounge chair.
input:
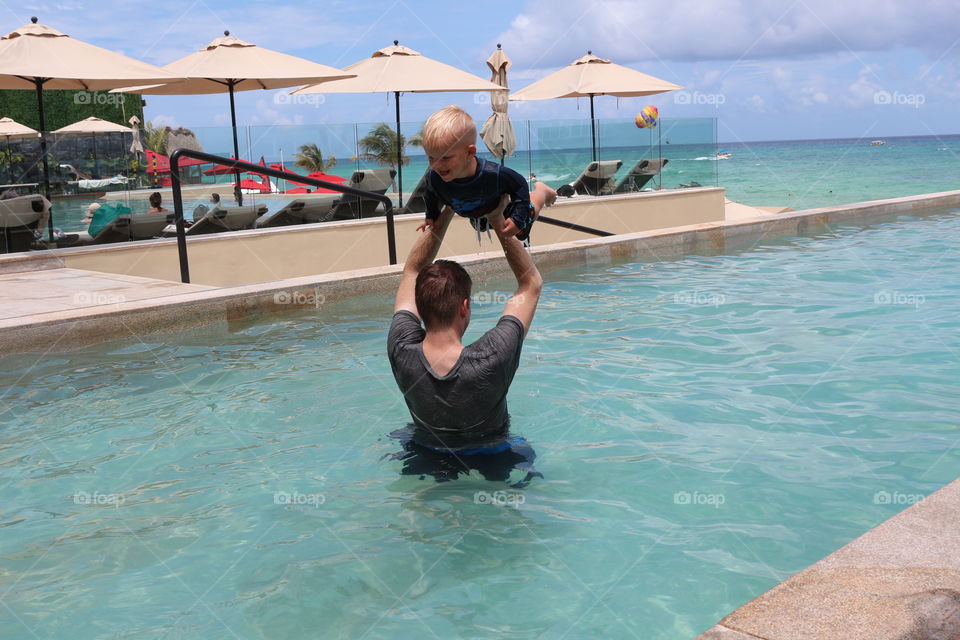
(596, 179)
(226, 219)
(374, 180)
(20, 217)
(638, 177)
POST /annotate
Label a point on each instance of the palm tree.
(380, 145)
(156, 138)
(311, 158)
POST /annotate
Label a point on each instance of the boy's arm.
(523, 303)
(520, 207)
(423, 252)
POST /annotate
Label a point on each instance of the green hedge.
(66, 107)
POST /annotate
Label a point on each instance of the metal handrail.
(249, 167)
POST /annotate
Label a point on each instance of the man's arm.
(523, 303)
(423, 252)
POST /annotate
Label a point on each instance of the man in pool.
(456, 394)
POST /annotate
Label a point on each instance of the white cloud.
(163, 120)
(552, 33)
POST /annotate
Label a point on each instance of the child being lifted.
(472, 187)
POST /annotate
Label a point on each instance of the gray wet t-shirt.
(468, 405)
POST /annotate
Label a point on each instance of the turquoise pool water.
(706, 427)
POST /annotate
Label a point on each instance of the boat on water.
(723, 154)
(877, 143)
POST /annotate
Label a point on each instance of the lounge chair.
(315, 209)
(221, 219)
(350, 206)
(638, 177)
(289, 214)
(123, 228)
(20, 217)
(416, 203)
(596, 179)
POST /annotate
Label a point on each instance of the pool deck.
(899, 581)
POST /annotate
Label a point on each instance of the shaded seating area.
(20, 218)
(641, 173)
(595, 180)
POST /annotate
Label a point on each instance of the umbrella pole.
(43, 152)
(593, 130)
(399, 155)
(236, 145)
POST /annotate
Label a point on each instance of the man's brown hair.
(440, 289)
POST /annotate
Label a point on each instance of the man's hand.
(509, 227)
(428, 225)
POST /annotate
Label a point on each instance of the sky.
(765, 69)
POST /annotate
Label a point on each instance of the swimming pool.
(706, 427)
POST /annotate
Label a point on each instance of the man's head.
(449, 138)
(155, 200)
(443, 294)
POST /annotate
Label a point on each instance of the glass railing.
(87, 168)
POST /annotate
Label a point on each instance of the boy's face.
(453, 161)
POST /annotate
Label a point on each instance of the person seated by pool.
(88, 215)
(155, 202)
(472, 187)
(456, 394)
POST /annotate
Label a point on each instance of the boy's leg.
(540, 196)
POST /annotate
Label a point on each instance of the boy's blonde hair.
(449, 127)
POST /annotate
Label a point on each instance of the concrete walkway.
(31, 293)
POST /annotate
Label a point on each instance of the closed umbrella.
(497, 131)
(396, 70)
(136, 147)
(93, 126)
(592, 76)
(39, 57)
(229, 64)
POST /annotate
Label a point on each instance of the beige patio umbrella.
(397, 70)
(229, 64)
(93, 126)
(497, 131)
(592, 76)
(10, 128)
(39, 57)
